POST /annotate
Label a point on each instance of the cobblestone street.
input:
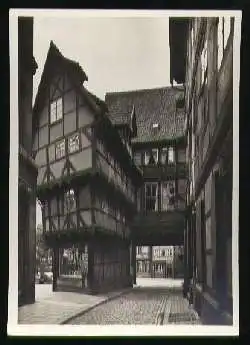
(144, 305)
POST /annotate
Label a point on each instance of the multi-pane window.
(60, 149)
(164, 155)
(69, 201)
(224, 28)
(171, 157)
(56, 110)
(73, 143)
(151, 196)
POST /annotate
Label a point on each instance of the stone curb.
(94, 306)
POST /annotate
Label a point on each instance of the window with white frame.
(73, 143)
(151, 196)
(171, 157)
(56, 110)
(60, 149)
(223, 32)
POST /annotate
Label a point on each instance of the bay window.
(151, 196)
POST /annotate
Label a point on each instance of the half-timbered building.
(87, 181)
(27, 167)
(159, 150)
(202, 58)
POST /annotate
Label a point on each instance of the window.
(69, 201)
(164, 155)
(171, 155)
(168, 195)
(56, 110)
(60, 149)
(146, 157)
(224, 28)
(163, 253)
(155, 156)
(151, 193)
(73, 143)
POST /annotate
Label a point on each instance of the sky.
(116, 53)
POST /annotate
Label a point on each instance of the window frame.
(59, 142)
(68, 143)
(147, 184)
(55, 104)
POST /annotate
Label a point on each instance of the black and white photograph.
(124, 191)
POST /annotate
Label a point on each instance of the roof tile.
(152, 106)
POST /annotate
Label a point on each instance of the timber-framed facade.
(208, 76)
(87, 181)
(159, 150)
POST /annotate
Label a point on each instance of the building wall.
(27, 168)
(209, 102)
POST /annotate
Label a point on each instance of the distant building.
(159, 261)
(202, 58)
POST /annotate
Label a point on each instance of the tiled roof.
(152, 106)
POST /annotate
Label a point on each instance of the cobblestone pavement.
(143, 305)
(56, 307)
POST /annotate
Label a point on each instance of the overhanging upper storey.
(178, 28)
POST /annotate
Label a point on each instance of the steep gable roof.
(152, 106)
(55, 58)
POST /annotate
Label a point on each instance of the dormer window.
(56, 110)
